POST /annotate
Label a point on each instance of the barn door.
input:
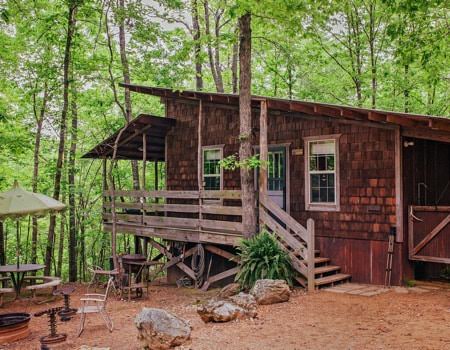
(429, 234)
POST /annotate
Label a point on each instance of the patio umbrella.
(17, 203)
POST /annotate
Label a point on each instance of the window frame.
(311, 206)
(212, 148)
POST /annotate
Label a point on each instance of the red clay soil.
(320, 320)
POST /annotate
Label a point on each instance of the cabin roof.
(130, 141)
(418, 122)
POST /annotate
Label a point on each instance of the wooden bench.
(5, 290)
(47, 282)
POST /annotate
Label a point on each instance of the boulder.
(246, 301)
(270, 291)
(229, 290)
(222, 311)
(161, 330)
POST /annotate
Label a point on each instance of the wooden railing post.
(311, 254)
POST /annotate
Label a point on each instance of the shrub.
(262, 257)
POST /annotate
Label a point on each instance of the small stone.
(246, 301)
(221, 311)
(400, 290)
(229, 290)
(269, 291)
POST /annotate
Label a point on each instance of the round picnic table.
(18, 273)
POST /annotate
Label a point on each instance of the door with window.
(276, 175)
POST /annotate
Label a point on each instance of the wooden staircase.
(313, 271)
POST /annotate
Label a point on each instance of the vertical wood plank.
(399, 185)
(263, 148)
(200, 159)
(311, 254)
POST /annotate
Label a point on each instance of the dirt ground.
(320, 320)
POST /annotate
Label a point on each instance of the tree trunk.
(245, 130)
(197, 46)
(71, 180)
(34, 181)
(213, 57)
(62, 133)
(127, 80)
(62, 235)
(373, 61)
(406, 89)
(234, 66)
(2, 244)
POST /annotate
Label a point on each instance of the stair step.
(321, 260)
(325, 269)
(339, 277)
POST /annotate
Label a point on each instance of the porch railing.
(206, 211)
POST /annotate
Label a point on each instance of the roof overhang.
(130, 140)
(426, 126)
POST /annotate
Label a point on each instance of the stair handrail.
(307, 234)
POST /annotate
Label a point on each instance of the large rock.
(270, 291)
(161, 330)
(222, 311)
(229, 290)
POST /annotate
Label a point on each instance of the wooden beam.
(329, 111)
(427, 134)
(377, 117)
(403, 121)
(437, 124)
(220, 276)
(263, 148)
(399, 184)
(302, 108)
(223, 253)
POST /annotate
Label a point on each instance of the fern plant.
(262, 257)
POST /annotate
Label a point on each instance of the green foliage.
(410, 283)
(262, 257)
(232, 162)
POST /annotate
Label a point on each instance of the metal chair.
(96, 303)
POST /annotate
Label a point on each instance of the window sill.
(322, 207)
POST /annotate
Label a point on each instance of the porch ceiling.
(130, 143)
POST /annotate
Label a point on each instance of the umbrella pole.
(17, 243)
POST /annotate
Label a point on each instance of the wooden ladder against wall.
(313, 271)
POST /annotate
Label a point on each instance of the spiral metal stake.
(66, 311)
(53, 337)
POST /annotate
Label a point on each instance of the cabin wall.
(354, 237)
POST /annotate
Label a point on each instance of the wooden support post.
(263, 149)
(311, 254)
(200, 162)
(399, 185)
(156, 176)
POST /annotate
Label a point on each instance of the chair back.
(108, 289)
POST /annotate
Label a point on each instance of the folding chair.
(96, 303)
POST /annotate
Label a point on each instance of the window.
(212, 172)
(322, 177)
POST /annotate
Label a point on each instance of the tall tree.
(71, 181)
(197, 46)
(39, 116)
(71, 24)
(245, 126)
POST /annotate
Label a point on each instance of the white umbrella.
(17, 203)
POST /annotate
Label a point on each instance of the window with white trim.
(212, 172)
(322, 177)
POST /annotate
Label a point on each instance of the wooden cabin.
(343, 188)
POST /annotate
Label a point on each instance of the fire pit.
(14, 326)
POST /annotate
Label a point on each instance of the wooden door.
(429, 234)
